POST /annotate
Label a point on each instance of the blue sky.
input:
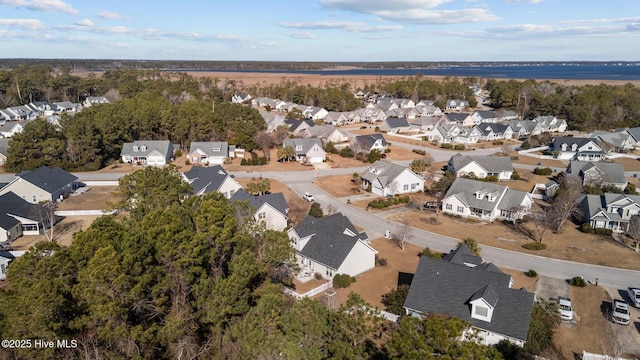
(322, 30)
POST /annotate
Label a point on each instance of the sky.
(322, 30)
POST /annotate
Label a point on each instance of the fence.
(311, 292)
(84, 212)
(101, 183)
(529, 152)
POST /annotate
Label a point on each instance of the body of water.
(543, 71)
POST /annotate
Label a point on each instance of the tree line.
(188, 279)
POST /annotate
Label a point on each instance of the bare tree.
(616, 338)
(634, 230)
(48, 219)
(331, 209)
(537, 221)
(565, 203)
(298, 210)
(264, 141)
(402, 233)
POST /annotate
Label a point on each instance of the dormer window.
(491, 197)
(298, 147)
(479, 195)
(135, 148)
(216, 149)
(574, 147)
(143, 148)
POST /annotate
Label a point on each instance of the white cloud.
(41, 5)
(542, 31)
(342, 25)
(427, 17)
(109, 15)
(84, 22)
(29, 24)
(524, 1)
(301, 35)
(373, 6)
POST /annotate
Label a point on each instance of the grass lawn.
(339, 185)
(528, 160)
(628, 164)
(570, 244)
(276, 187)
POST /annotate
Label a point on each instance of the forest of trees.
(186, 280)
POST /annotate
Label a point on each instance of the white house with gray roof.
(387, 178)
(10, 128)
(307, 150)
(481, 166)
(204, 180)
(485, 201)
(330, 245)
(551, 123)
(456, 105)
(395, 125)
(464, 286)
(609, 210)
(366, 143)
(599, 173)
(326, 133)
(208, 153)
(578, 148)
(270, 209)
(147, 152)
(42, 184)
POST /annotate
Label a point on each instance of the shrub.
(387, 150)
(380, 261)
(243, 162)
(178, 153)
(492, 178)
(446, 146)
(586, 228)
(394, 299)
(404, 199)
(346, 152)
(458, 147)
(432, 254)
(601, 231)
(515, 175)
(535, 246)
(531, 273)
(543, 171)
(497, 142)
(419, 152)
(342, 281)
(377, 129)
(263, 160)
(187, 162)
(577, 281)
(472, 220)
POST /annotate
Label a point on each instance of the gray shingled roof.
(208, 147)
(12, 204)
(462, 255)
(48, 179)
(367, 141)
(492, 164)
(464, 189)
(295, 124)
(385, 171)
(277, 200)
(456, 117)
(612, 173)
(329, 245)
(442, 287)
(397, 122)
(164, 147)
(306, 144)
(206, 179)
(570, 140)
(487, 128)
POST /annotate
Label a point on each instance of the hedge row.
(256, 161)
(383, 203)
(420, 152)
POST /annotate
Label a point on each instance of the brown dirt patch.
(520, 280)
(63, 232)
(339, 185)
(570, 244)
(399, 153)
(527, 181)
(276, 187)
(528, 160)
(628, 164)
(96, 198)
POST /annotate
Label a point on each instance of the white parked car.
(308, 196)
(565, 308)
(620, 312)
(634, 294)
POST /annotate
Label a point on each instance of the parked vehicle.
(634, 294)
(309, 197)
(565, 308)
(620, 314)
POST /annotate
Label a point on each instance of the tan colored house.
(42, 185)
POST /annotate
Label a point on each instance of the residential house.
(503, 115)
(599, 173)
(147, 152)
(63, 107)
(4, 262)
(307, 150)
(367, 143)
(635, 134)
(492, 132)
(240, 98)
(20, 112)
(273, 120)
(315, 113)
(395, 125)
(19, 217)
(609, 210)
(371, 115)
(456, 105)
(336, 118)
(94, 100)
(577, 148)
(428, 123)
(327, 133)
(4, 145)
(521, 128)
(454, 133)
(484, 116)
(551, 123)
(205, 180)
(208, 153)
(42, 184)
(270, 209)
(462, 119)
(485, 201)
(385, 104)
(481, 166)
(297, 127)
(621, 142)
(407, 113)
(10, 128)
(428, 110)
(404, 103)
(386, 178)
(330, 245)
(464, 286)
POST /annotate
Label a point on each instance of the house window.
(413, 186)
(329, 272)
(405, 187)
(135, 148)
(460, 209)
(482, 311)
(35, 198)
(30, 227)
(231, 192)
(294, 241)
(449, 207)
(298, 147)
(262, 215)
(143, 148)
